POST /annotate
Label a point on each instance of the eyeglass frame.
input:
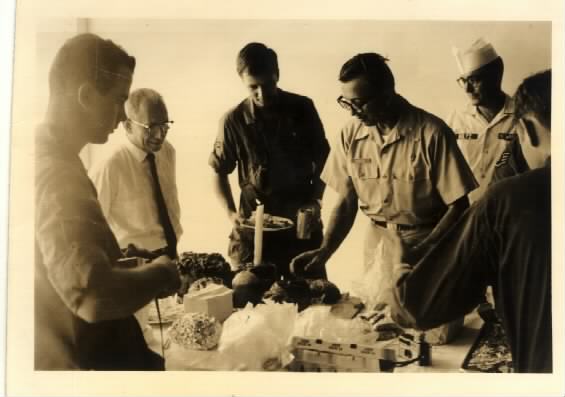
(149, 128)
(474, 80)
(350, 105)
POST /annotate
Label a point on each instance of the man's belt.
(397, 226)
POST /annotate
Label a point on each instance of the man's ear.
(86, 95)
(531, 132)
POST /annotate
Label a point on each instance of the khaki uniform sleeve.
(452, 176)
(336, 173)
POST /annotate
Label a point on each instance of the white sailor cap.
(477, 55)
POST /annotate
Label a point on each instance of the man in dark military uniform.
(503, 241)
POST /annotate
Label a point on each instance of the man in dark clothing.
(503, 240)
(276, 141)
(84, 300)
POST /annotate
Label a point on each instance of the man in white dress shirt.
(126, 185)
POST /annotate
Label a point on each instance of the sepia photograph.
(270, 202)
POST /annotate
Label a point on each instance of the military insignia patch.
(503, 160)
(467, 136)
(507, 136)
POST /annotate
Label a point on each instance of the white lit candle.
(258, 253)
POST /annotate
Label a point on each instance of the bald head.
(147, 121)
(144, 102)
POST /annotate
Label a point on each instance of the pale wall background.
(192, 64)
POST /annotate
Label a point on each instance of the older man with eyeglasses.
(136, 184)
(487, 130)
(398, 163)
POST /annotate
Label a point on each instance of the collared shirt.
(73, 242)
(125, 191)
(502, 240)
(71, 231)
(277, 159)
(410, 178)
(482, 142)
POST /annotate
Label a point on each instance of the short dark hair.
(493, 69)
(534, 96)
(87, 58)
(257, 59)
(372, 67)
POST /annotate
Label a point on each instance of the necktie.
(170, 235)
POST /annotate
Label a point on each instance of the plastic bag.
(319, 323)
(258, 337)
(373, 285)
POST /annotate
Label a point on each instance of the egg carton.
(316, 355)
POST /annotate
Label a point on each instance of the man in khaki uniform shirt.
(487, 125)
(401, 164)
(398, 163)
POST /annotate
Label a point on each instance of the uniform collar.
(250, 111)
(136, 152)
(401, 128)
(507, 109)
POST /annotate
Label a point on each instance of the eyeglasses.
(154, 128)
(355, 105)
(473, 80)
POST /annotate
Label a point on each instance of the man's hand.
(133, 251)
(315, 207)
(172, 280)
(310, 262)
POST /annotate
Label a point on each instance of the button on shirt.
(408, 177)
(481, 142)
(503, 240)
(277, 159)
(125, 191)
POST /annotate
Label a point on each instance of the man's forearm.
(340, 223)
(319, 187)
(115, 293)
(223, 191)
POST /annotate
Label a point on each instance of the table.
(445, 358)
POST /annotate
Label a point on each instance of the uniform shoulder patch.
(503, 160)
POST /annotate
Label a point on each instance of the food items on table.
(303, 292)
(323, 291)
(250, 284)
(203, 282)
(216, 300)
(270, 222)
(196, 331)
(294, 291)
(193, 266)
(168, 308)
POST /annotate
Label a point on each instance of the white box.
(214, 300)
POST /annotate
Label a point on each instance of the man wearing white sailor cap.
(486, 126)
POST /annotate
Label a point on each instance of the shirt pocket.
(414, 188)
(364, 168)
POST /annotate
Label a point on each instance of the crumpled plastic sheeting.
(253, 339)
(318, 322)
(374, 284)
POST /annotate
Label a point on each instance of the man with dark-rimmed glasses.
(486, 129)
(136, 184)
(398, 163)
